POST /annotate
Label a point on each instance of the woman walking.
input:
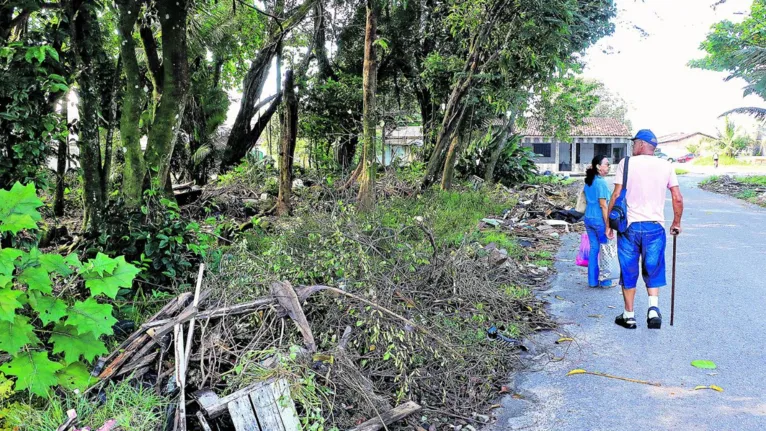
(597, 196)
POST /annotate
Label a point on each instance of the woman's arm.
(604, 211)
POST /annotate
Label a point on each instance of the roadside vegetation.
(749, 188)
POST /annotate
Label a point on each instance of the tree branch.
(152, 56)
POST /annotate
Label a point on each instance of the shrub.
(50, 336)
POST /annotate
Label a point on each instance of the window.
(543, 150)
(602, 149)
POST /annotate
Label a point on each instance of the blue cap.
(647, 136)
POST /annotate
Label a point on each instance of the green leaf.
(76, 377)
(39, 54)
(66, 339)
(73, 261)
(55, 263)
(18, 208)
(110, 284)
(704, 364)
(7, 258)
(9, 303)
(51, 52)
(49, 308)
(57, 78)
(37, 279)
(33, 371)
(17, 334)
(5, 280)
(102, 263)
(91, 317)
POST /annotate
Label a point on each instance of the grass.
(722, 161)
(680, 171)
(756, 180)
(747, 194)
(135, 409)
(550, 179)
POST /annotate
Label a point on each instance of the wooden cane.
(673, 281)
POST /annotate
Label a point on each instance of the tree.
(610, 104)
(729, 141)
(287, 147)
(368, 163)
(518, 40)
(740, 50)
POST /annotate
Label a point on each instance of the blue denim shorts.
(645, 240)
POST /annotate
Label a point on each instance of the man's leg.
(653, 269)
(628, 251)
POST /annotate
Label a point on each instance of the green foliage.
(722, 161)
(747, 194)
(756, 180)
(680, 171)
(515, 165)
(29, 127)
(549, 179)
(33, 318)
(133, 408)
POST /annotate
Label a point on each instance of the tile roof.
(592, 126)
(673, 137)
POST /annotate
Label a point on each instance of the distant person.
(596, 214)
(715, 160)
(648, 179)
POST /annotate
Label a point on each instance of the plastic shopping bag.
(608, 262)
(582, 203)
(582, 254)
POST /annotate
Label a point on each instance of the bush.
(515, 165)
(756, 180)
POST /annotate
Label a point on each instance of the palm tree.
(728, 142)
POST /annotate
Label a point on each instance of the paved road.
(720, 314)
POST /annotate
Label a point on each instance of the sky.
(650, 70)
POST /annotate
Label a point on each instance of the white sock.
(628, 314)
(654, 301)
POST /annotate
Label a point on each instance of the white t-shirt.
(649, 178)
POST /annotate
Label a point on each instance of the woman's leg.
(593, 238)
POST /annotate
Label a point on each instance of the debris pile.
(732, 186)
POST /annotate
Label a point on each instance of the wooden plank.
(203, 422)
(266, 409)
(242, 415)
(217, 409)
(205, 398)
(397, 413)
(281, 392)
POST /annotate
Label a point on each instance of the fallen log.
(383, 420)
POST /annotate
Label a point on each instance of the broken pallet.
(264, 406)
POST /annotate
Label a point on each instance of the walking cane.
(673, 285)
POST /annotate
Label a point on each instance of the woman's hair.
(592, 171)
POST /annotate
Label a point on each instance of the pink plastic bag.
(582, 254)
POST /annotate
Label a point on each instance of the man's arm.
(678, 210)
(615, 195)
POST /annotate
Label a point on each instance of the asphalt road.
(720, 314)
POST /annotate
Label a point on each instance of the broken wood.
(180, 419)
(71, 417)
(288, 299)
(203, 422)
(396, 414)
(195, 304)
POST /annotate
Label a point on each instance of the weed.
(681, 171)
(756, 180)
(135, 409)
(747, 194)
(710, 180)
(722, 161)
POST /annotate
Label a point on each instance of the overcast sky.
(650, 70)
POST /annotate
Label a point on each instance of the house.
(676, 144)
(606, 136)
(400, 143)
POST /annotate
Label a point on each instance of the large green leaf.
(33, 371)
(16, 335)
(110, 284)
(91, 317)
(75, 377)
(54, 263)
(18, 208)
(101, 264)
(5, 280)
(49, 308)
(9, 302)
(37, 279)
(7, 258)
(66, 340)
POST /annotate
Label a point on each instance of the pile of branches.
(729, 185)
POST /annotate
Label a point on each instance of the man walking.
(648, 179)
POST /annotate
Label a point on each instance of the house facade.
(606, 136)
(675, 145)
(400, 144)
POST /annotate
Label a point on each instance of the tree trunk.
(242, 136)
(502, 140)
(130, 135)
(451, 157)
(287, 148)
(58, 199)
(366, 195)
(167, 118)
(85, 45)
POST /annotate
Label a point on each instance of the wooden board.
(242, 415)
(281, 392)
(266, 409)
(396, 414)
